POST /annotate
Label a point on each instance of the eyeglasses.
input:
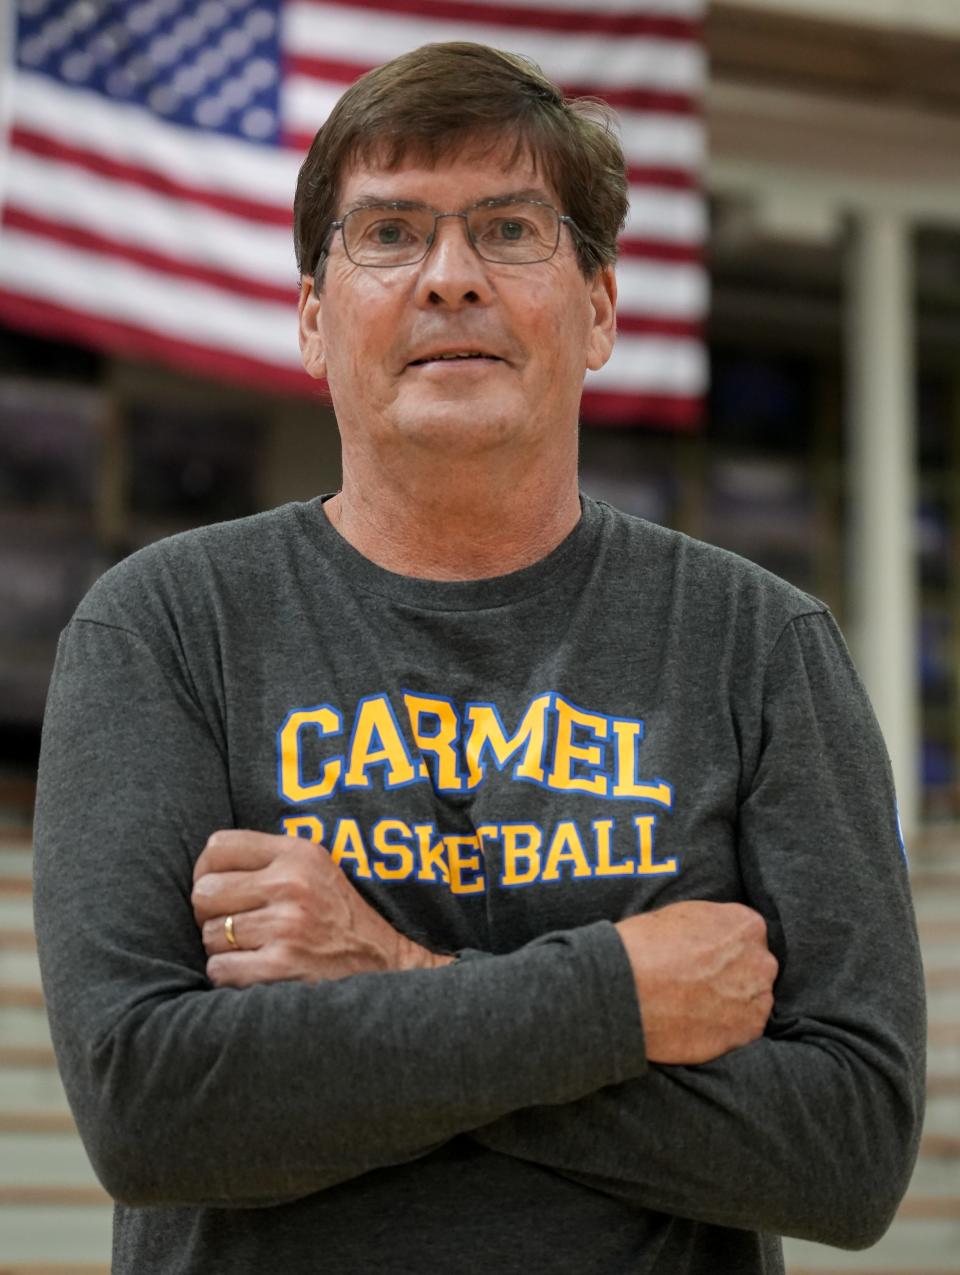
(508, 231)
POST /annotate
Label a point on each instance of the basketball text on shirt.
(556, 746)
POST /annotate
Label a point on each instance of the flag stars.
(258, 123)
(210, 112)
(77, 66)
(188, 32)
(56, 33)
(164, 50)
(259, 73)
(189, 80)
(260, 24)
(141, 69)
(142, 18)
(235, 45)
(164, 100)
(213, 14)
(235, 94)
(83, 15)
(232, 96)
(120, 83)
(105, 45)
(211, 63)
(34, 51)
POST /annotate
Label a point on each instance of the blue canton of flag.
(213, 65)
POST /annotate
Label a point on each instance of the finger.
(244, 969)
(237, 969)
(238, 849)
(250, 931)
(755, 923)
(220, 893)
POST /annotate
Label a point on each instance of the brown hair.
(432, 101)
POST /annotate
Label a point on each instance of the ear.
(603, 333)
(311, 340)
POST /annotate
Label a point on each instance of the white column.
(881, 453)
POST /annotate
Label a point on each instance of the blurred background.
(787, 381)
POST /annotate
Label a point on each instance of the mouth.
(455, 357)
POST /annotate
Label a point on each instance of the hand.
(295, 915)
(704, 978)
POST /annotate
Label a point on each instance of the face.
(371, 331)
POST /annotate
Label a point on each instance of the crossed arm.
(703, 972)
(809, 1130)
(704, 1141)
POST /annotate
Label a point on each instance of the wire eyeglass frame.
(404, 205)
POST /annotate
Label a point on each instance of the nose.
(452, 274)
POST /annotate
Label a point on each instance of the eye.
(511, 229)
(506, 229)
(387, 234)
(519, 226)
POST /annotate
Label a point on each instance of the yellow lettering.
(327, 721)
(484, 729)
(375, 721)
(431, 854)
(566, 847)
(348, 844)
(521, 843)
(566, 753)
(384, 829)
(442, 743)
(307, 826)
(460, 862)
(646, 867)
(627, 783)
(603, 829)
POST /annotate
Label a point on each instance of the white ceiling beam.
(836, 155)
(928, 16)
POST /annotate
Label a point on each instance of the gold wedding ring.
(228, 931)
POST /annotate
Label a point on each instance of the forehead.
(447, 181)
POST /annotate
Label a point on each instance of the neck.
(457, 521)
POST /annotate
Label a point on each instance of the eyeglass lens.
(520, 232)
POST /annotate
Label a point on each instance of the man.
(414, 867)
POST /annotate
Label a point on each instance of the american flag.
(152, 148)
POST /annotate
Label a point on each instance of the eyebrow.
(510, 197)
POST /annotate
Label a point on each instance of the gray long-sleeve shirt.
(503, 768)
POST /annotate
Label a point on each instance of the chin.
(462, 426)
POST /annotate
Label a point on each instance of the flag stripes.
(130, 230)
